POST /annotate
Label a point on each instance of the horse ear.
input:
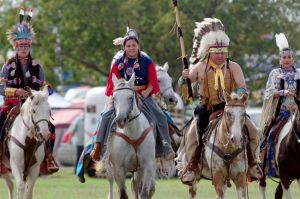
(226, 97)
(166, 67)
(114, 79)
(131, 81)
(244, 98)
(46, 89)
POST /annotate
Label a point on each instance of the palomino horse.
(225, 149)
(287, 157)
(224, 157)
(27, 136)
(132, 146)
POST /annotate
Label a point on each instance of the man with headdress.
(215, 74)
(20, 72)
(283, 84)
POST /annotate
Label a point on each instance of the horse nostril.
(232, 139)
(171, 100)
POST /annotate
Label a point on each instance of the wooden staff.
(183, 54)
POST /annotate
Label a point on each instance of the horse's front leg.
(148, 182)
(17, 172)
(31, 179)
(241, 185)
(120, 177)
(111, 183)
(263, 186)
(9, 183)
(219, 183)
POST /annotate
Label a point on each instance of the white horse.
(28, 133)
(166, 96)
(132, 144)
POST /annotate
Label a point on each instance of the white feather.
(281, 41)
(118, 41)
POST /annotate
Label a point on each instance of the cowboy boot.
(52, 166)
(189, 175)
(96, 152)
(255, 172)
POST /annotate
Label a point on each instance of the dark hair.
(129, 38)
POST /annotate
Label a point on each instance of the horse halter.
(131, 104)
(35, 123)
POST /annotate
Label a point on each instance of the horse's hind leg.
(135, 184)
(9, 183)
(262, 187)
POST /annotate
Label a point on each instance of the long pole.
(183, 53)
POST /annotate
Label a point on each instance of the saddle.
(214, 119)
(11, 116)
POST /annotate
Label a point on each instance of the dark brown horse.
(287, 157)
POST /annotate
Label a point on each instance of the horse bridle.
(131, 104)
(35, 123)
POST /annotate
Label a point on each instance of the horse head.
(124, 100)
(234, 117)
(35, 112)
(165, 84)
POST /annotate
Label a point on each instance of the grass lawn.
(64, 185)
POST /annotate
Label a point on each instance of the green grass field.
(64, 185)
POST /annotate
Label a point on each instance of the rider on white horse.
(20, 72)
(215, 73)
(146, 84)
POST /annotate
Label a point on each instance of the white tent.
(57, 101)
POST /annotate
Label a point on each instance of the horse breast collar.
(137, 142)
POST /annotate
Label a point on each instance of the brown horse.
(287, 157)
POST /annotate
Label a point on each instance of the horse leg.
(30, 181)
(120, 176)
(241, 185)
(17, 172)
(9, 183)
(135, 183)
(285, 183)
(262, 187)
(110, 194)
(147, 183)
(279, 191)
(220, 185)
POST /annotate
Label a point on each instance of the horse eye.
(33, 111)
